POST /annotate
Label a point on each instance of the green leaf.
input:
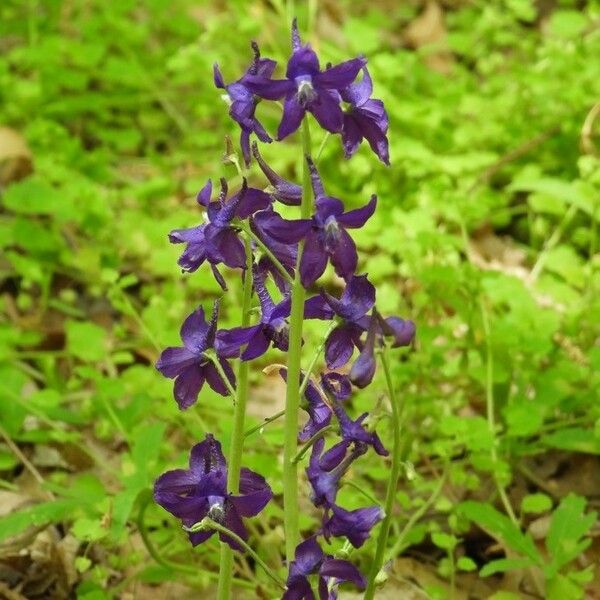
(499, 525)
(561, 587)
(568, 525)
(575, 439)
(38, 515)
(536, 503)
(504, 564)
(86, 341)
(464, 563)
(444, 541)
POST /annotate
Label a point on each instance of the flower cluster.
(245, 231)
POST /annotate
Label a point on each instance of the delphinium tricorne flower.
(279, 259)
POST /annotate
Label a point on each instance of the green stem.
(266, 421)
(306, 447)
(292, 400)
(315, 358)
(208, 523)
(237, 434)
(268, 252)
(215, 361)
(416, 516)
(390, 494)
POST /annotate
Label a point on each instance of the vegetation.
(485, 235)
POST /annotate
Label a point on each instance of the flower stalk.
(390, 494)
(292, 400)
(237, 434)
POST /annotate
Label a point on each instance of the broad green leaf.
(568, 526)
(499, 525)
(504, 564)
(575, 439)
(86, 341)
(37, 515)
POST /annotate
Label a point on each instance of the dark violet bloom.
(401, 333)
(355, 525)
(283, 190)
(201, 491)
(189, 364)
(242, 102)
(307, 88)
(356, 301)
(325, 233)
(272, 327)
(325, 469)
(217, 240)
(315, 403)
(355, 432)
(364, 118)
(311, 560)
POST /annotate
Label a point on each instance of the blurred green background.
(486, 235)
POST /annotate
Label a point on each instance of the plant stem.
(292, 400)
(266, 421)
(215, 361)
(268, 252)
(390, 493)
(399, 543)
(208, 523)
(306, 447)
(315, 357)
(237, 434)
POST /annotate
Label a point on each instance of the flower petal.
(253, 201)
(344, 257)
(342, 75)
(173, 361)
(223, 245)
(354, 219)
(326, 110)
(254, 495)
(342, 570)
(257, 346)
(304, 61)
(203, 197)
(282, 230)
(360, 92)
(351, 135)
(285, 191)
(207, 456)
(314, 260)
(293, 113)
(318, 308)
(338, 347)
(269, 89)
(214, 379)
(188, 385)
(229, 341)
(195, 331)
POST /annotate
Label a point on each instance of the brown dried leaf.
(15, 156)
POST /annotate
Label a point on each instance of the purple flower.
(356, 301)
(315, 404)
(325, 469)
(242, 102)
(355, 525)
(325, 233)
(272, 327)
(217, 241)
(307, 88)
(365, 118)
(283, 190)
(311, 560)
(401, 331)
(190, 366)
(354, 431)
(201, 491)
